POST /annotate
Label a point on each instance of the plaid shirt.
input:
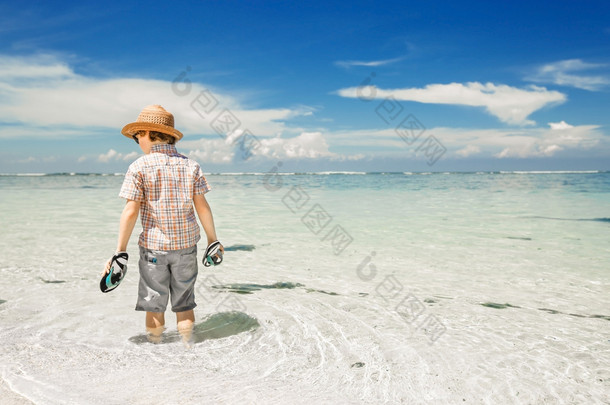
(165, 181)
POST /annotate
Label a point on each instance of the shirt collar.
(164, 148)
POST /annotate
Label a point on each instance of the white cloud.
(113, 155)
(45, 131)
(307, 145)
(208, 151)
(499, 143)
(510, 104)
(469, 150)
(44, 159)
(218, 150)
(523, 143)
(562, 73)
(373, 63)
(560, 125)
(30, 159)
(533, 149)
(44, 92)
(131, 156)
(108, 156)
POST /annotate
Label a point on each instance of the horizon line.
(339, 172)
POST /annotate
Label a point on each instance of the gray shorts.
(167, 274)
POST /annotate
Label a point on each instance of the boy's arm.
(205, 217)
(128, 222)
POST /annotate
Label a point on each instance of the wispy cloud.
(42, 66)
(44, 97)
(44, 159)
(509, 104)
(468, 150)
(566, 73)
(372, 63)
(43, 91)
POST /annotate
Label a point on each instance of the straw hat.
(153, 118)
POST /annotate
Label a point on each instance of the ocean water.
(338, 288)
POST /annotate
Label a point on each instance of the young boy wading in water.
(163, 186)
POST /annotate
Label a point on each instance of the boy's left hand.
(109, 264)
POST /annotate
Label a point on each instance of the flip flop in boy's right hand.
(213, 254)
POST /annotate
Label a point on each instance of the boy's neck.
(152, 144)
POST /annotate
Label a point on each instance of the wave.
(24, 174)
(552, 172)
(327, 173)
(59, 174)
(332, 173)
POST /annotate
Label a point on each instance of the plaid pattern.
(165, 181)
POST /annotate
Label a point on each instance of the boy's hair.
(160, 136)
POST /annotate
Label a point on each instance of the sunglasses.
(135, 136)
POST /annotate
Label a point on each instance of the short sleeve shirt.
(164, 182)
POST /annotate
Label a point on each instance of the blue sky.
(319, 86)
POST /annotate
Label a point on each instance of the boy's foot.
(186, 331)
(154, 334)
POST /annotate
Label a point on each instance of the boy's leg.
(185, 320)
(153, 290)
(155, 324)
(182, 287)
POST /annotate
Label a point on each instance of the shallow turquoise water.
(366, 288)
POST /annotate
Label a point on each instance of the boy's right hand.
(213, 254)
(106, 268)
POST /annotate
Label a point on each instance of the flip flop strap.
(121, 260)
(212, 245)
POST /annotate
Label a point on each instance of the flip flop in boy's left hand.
(114, 272)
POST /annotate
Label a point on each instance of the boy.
(164, 185)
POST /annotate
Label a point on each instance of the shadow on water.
(553, 311)
(224, 324)
(607, 220)
(2, 302)
(320, 291)
(242, 288)
(235, 248)
(51, 281)
(496, 305)
(216, 326)
(250, 288)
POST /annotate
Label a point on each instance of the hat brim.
(130, 129)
